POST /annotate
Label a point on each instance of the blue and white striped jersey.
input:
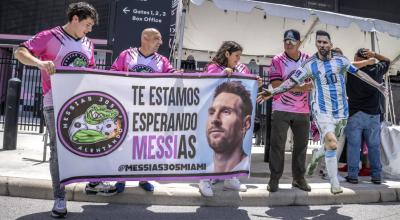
(329, 94)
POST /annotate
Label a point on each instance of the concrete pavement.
(24, 174)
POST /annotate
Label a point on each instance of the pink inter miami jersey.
(217, 68)
(132, 60)
(282, 68)
(58, 46)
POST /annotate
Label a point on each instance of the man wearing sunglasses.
(290, 109)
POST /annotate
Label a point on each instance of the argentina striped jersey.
(329, 95)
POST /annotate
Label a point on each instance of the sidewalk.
(23, 174)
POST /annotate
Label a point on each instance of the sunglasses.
(292, 42)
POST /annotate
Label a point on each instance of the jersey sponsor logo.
(75, 59)
(141, 69)
(92, 124)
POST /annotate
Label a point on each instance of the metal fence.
(30, 115)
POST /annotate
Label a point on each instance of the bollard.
(11, 114)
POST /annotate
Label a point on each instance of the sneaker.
(120, 186)
(336, 189)
(302, 184)
(376, 180)
(146, 186)
(324, 174)
(214, 181)
(351, 180)
(101, 189)
(273, 185)
(234, 184)
(205, 188)
(316, 156)
(59, 208)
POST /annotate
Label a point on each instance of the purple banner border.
(62, 70)
(161, 178)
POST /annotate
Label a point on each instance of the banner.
(141, 126)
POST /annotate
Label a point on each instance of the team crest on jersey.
(92, 124)
(75, 59)
(141, 69)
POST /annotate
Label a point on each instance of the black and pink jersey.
(282, 68)
(58, 46)
(132, 60)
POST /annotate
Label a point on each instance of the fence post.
(11, 114)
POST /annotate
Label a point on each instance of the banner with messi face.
(152, 126)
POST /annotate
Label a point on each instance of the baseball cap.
(361, 53)
(291, 34)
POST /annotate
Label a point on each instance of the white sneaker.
(335, 186)
(234, 184)
(100, 188)
(205, 188)
(336, 189)
(59, 208)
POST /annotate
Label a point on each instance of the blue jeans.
(362, 125)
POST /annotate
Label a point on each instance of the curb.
(186, 194)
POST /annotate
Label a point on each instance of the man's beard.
(324, 52)
(223, 145)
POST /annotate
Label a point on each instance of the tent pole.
(181, 29)
(373, 41)
(395, 60)
(310, 29)
(373, 34)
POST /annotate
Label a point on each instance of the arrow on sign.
(126, 10)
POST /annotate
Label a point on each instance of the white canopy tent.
(259, 27)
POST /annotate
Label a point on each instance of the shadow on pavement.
(304, 212)
(116, 211)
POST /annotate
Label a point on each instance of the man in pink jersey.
(60, 46)
(290, 109)
(144, 59)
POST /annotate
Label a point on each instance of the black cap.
(291, 35)
(361, 53)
